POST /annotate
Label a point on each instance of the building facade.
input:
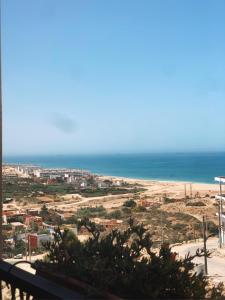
(220, 198)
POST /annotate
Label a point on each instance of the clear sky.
(113, 76)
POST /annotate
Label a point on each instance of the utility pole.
(220, 212)
(205, 239)
(162, 232)
(191, 190)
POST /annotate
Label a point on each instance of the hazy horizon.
(115, 153)
(113, 77)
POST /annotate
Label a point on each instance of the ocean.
(191, 167)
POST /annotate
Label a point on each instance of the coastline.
(196, 168)
(155, 180)
(175, 189)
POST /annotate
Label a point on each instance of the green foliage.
(126, 211)
(179, 226)
(50, 216)
(98, 211)
(11, 219)
(26, 187)
(140, 208)
(116, 214)
(197, 203)
(20, 247)
(7, 226)
(97, 192)
(114, 262)
(168, 200)
(61, 250)
(212, 228)
(71, 220)
(130, 203)
(34, 226)
(44, 212)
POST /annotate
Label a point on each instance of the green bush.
(114, 262)
(212, 228)
(130, 203)
(98, 211)
(20, 247)
(197, 203)
(179, 226)
(140, 208)
(126, 210)
(116, 214)
(168, 200)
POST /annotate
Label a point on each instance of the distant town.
(36, 200)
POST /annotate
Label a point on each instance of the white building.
(221, 213)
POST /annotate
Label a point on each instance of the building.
(145, 203)
(17, 226)
(26, 170)
(221, 216)
(29, 220)
(10, 212)
(32, 212)
(36, 241)
(108, 223)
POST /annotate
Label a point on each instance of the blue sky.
(103, 76)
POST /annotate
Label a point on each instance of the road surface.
(216, 264)
(25, 266)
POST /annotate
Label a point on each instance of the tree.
(115, 262)
(34, 226)
(44, 212)
(20, 247)
(116, 214)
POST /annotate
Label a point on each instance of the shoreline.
(131, 179)
(174, 189)
(195, 167)
(158, 181)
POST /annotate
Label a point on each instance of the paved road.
(25, 266)
(216, 264)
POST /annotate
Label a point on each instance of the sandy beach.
(175, 189)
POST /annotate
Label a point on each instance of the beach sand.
(175, 189)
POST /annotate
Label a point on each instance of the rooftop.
(17, 224)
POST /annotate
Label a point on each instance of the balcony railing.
(23, 285)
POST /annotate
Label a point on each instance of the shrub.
(197, 203)
(140, 208)
(168, 200)
(212, 228)
(126, 210)
(114, 262)
(98, 211)
(130, 203)
(179, 226)
(116, 214)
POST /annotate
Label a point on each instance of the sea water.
(193, 167)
